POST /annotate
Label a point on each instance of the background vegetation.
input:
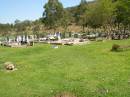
(104, 15)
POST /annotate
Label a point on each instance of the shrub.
(115, 47)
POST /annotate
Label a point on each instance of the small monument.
(55, 46)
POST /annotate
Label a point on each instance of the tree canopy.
(95, 14)
(53, 14)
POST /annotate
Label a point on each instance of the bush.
(31, 43)
(115, 47)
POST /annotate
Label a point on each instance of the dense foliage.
(107, 15)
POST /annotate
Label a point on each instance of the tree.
(81, 14)
(66, 20)
(100, 13)
(123, 13)
(22, 28)
(19, 28)
(6, 30)
(37, 25)
(53, 14)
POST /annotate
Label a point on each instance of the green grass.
(87, 71)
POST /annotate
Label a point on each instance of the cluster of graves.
(18, 41)
(62, 38)
(58, 39)
(119, 36)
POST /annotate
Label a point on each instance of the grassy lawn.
(87, 71)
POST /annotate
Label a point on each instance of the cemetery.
(56, 38)
(65, 48)
(19, 41)
(22, 41)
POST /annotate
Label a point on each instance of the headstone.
(55, 46)
(31, 43)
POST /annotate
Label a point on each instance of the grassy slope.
(87, 71)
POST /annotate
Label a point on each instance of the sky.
(10, 10)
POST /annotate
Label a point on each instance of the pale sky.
(10, 10)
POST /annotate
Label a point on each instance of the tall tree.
(22, 28)
(81, 14)
(6, 30)
(123, 13)
(53, 14)
(66, 20)
(99, 14)
(37, 27)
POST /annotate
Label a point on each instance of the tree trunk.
(124, 31)
(7, 38)
(83, 28)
